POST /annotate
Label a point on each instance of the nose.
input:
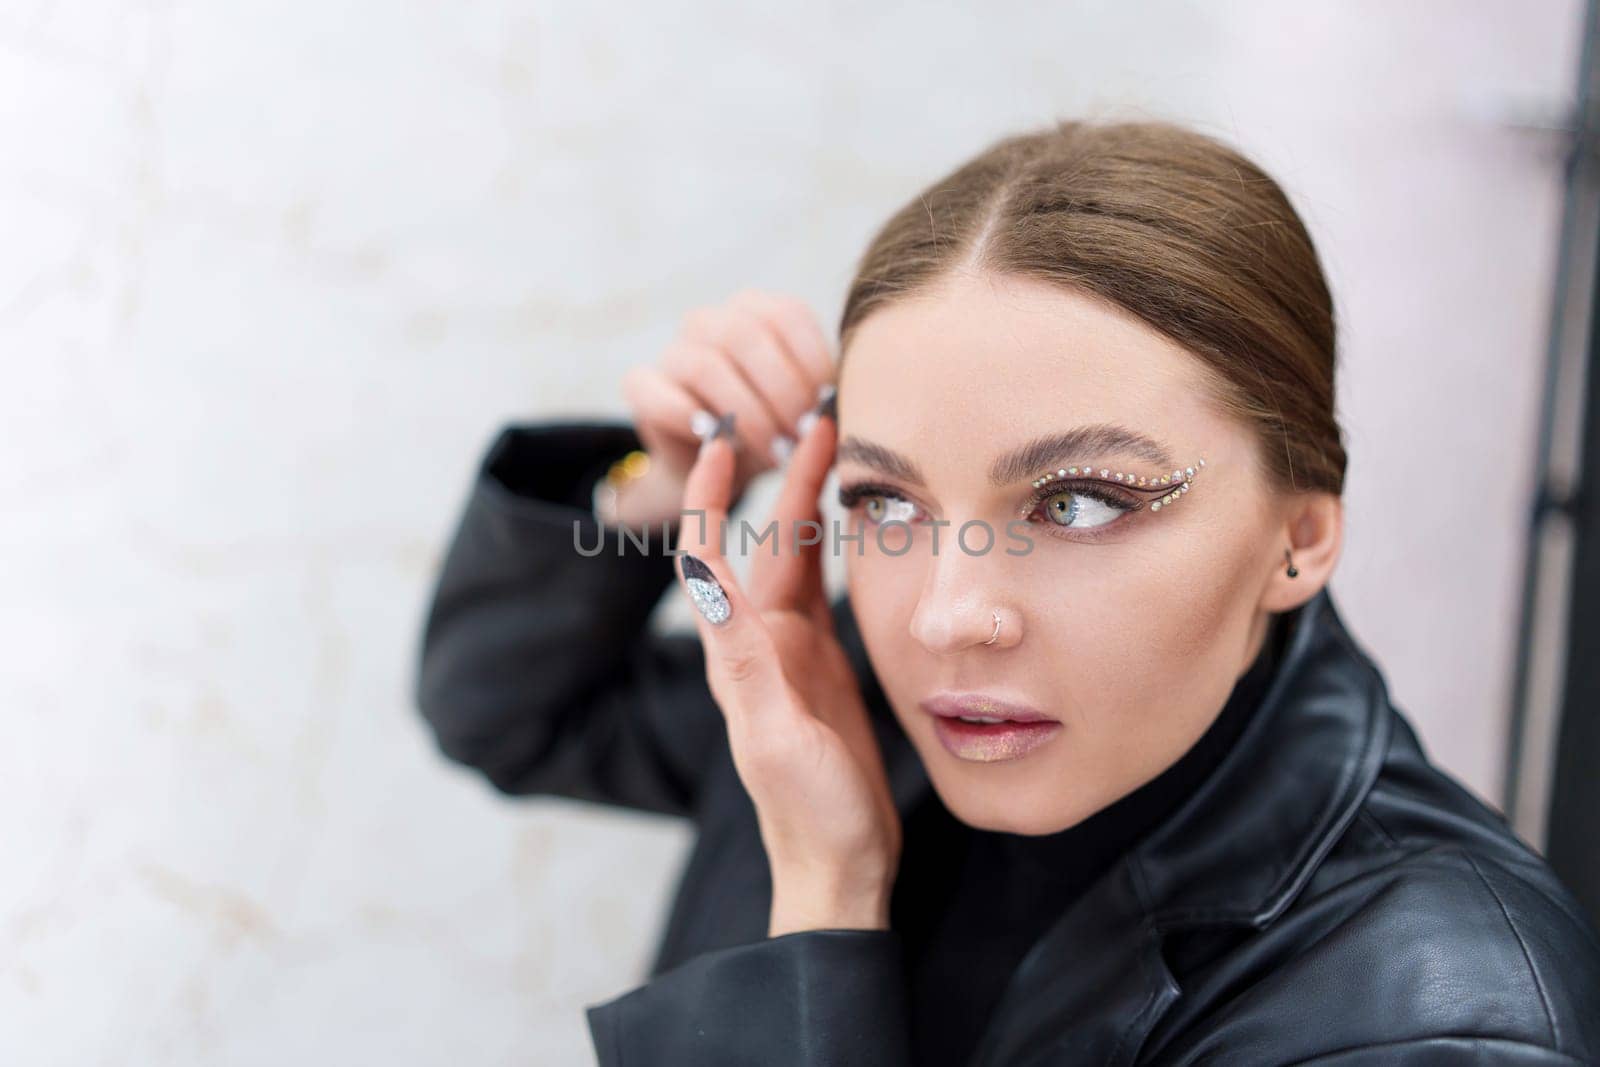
(956, 609)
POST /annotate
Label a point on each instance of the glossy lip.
(988, 742)
(952, 705)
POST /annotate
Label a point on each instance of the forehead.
(985, 362)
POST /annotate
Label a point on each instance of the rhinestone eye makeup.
(1173, 485)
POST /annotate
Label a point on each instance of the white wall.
(271, 275)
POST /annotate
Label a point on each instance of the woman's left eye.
(1082, 509)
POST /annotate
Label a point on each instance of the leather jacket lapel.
(1250, 838)
(1089, 990)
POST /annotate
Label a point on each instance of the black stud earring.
(1292, 571)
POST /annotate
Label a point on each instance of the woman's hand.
(797, 727)
(758, 355)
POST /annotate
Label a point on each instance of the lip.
(1025, 731)
(953, 705)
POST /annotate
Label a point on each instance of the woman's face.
(1127, 628)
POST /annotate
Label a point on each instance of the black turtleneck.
(970, 903)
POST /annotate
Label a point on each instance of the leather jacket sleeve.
(537, 664)
(1444, 1051)
(812, 998)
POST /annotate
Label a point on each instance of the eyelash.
(852, 494)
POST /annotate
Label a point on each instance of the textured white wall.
(270, 276)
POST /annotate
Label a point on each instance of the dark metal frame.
(1573, 825)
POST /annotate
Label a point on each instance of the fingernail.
(782, 448)
(723, 427)
(705, 590)
(826, 394)
(703, 423)
(828, 400)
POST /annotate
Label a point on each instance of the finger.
(707, 490)
(662, 405)
(797, 325)
(760, 351)
(755, 321)
(742, 663)
(709, 373)
(792, 578)
(759, 357)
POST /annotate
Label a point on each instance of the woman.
(1085, 768)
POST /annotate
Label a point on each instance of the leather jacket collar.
(1236, 852)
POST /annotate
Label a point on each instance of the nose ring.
(996, 633)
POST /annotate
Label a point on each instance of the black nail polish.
(704, 589)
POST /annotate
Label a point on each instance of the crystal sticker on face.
(1172, 485)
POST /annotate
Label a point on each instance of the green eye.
(1063, 508)
(877, 504)
(1084, 508)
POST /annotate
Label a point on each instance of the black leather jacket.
(1327, 897)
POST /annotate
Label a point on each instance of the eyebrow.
(1026, 461)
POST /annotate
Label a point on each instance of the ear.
(1312, 530)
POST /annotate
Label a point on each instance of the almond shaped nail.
(705, 591)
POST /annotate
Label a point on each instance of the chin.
(1003, 808)
(985, 817)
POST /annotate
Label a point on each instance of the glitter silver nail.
(705, 590)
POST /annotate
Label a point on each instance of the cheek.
(1161, 659)
(883, 593)
(1157, 609)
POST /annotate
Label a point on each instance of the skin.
(760, 356)
(1132, 641)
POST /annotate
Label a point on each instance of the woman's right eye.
(889, 508)
(878, 505)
